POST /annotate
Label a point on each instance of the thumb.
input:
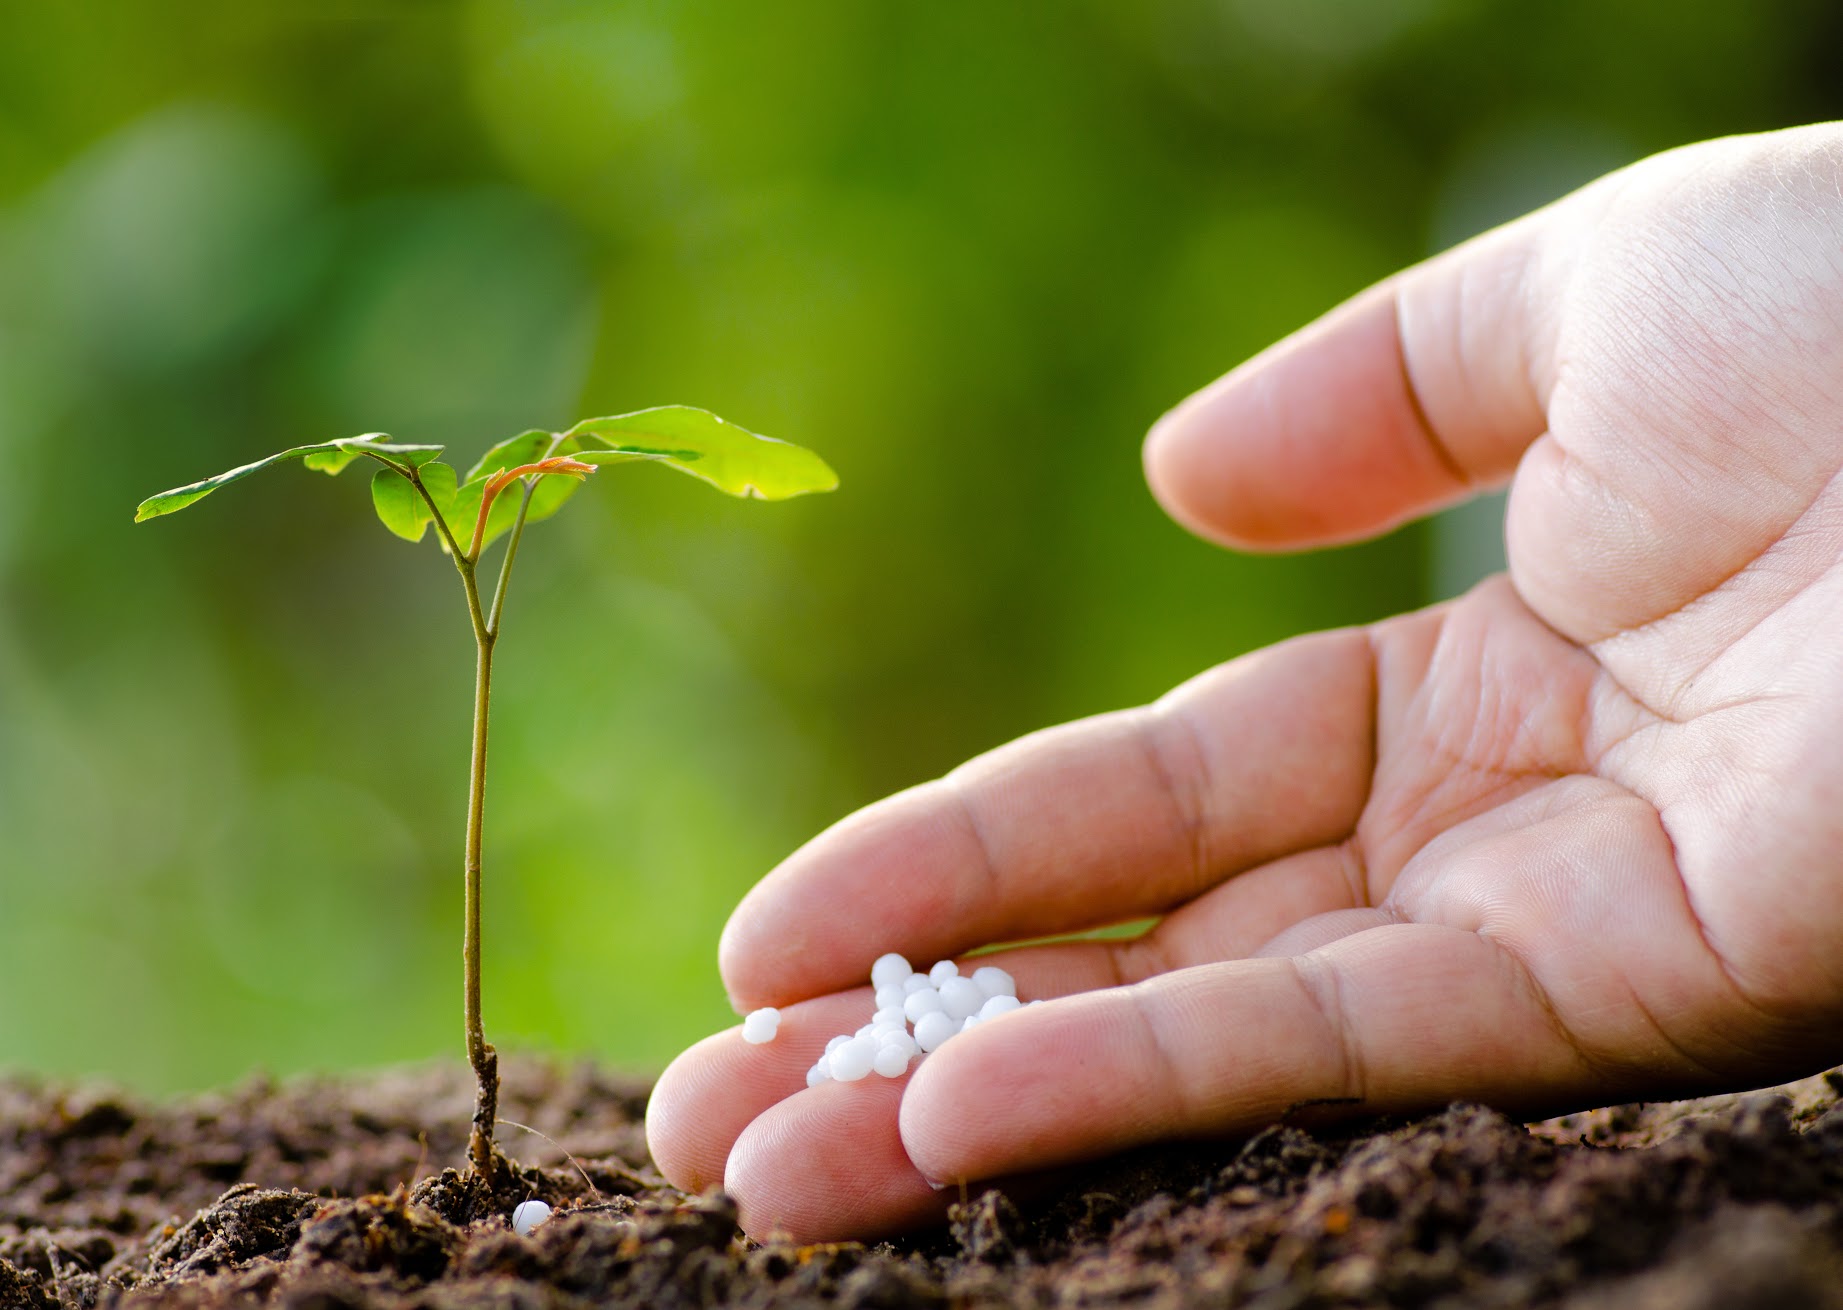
(1419, 391)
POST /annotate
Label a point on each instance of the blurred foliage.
(922, 239)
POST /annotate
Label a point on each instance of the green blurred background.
(967, 251)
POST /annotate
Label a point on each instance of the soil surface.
(320, 1195)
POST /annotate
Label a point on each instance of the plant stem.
(480, 1053)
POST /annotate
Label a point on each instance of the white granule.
(920, 1003)
(892, 1061)
(761, 1025)
(939, 1004)
(1000, 1004)
(854, 1059)
(934, 1028)
(889, 970)
(994, 981)
(527, 1215)
(959, 997)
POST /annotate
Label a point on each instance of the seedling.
(413, 489)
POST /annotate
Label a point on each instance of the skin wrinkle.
(988, 864)
(1723, 968)
(1545, 1003)
(1449, 463)
(1138, 958)
(1703, 1071)
(1817, 503)
(1326, 995)
(1355, 870)
(1168, 1068)
(1354, 839)
(1189, 803)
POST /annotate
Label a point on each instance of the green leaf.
(398, 506)
(439, 481)
(401, 507)
(697, 442)
(326, 456)
(525, 448)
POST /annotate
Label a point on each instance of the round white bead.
(864, 1030)
(902, 1039)
(934, 1028)
(891, 968)
(818, 1074)
(883, 1032)
(761, 1025)
(994, 981)
(920, 1003)
(892, 1061)
(971, 1022)
(914, 983)
(997, 1005)
(890, 994)
(852, 1061)
(888, 1014)
(527, 1215)
(960, 998)
(942, 971)
(836, 1042)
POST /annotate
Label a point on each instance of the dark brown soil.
(325, 1195)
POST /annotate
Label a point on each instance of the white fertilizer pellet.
(761, 1025)
(934, 1028)
(892, 1061)
(994, 981)
(997, 1005)
(960, 998)
(889, 969)
(937, 1005)
(920, 1003)
(854, 1059)
(527, 1215)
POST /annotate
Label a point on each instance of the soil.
(322, 1195)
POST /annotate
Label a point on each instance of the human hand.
(1574, 837)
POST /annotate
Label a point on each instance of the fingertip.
(738, 947)
(827, 1164)
(1186, 475)
(688, 1159)
(708, 1096)
(1015, 1093)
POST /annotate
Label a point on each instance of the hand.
(1576, 836)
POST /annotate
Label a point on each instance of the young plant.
(412, 489)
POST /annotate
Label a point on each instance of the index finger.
(1094, 822)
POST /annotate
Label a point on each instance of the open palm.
(1575, 836)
